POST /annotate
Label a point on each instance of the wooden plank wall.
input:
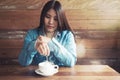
(96, 24)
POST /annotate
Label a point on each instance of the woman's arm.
(28, 51)
(65, 53)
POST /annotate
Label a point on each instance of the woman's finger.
(44, 49)
(41, 49)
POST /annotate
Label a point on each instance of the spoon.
(46, 58)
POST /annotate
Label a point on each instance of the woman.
(53, 38)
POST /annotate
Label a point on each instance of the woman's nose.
(51, 21)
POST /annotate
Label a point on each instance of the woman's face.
(51, 21)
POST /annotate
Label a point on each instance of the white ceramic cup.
(48, 67)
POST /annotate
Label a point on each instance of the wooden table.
(78, 72)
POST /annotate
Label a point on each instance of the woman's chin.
(50, 31)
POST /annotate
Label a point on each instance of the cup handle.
(56, 67)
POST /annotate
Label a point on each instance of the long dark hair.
(62, 20)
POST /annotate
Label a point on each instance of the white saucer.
(37, 71)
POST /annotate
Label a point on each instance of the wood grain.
(12, 43)
(19, 20)
(9, 53)
(78, 72)
(23, 4)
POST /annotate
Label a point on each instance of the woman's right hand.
(42, 46)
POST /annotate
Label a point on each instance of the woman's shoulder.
(32, 31)
(67, 32)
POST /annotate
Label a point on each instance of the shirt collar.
(42, 32)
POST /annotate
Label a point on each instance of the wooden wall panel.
(19, 19)
(11, 43)
(118, 44)
(97, 44)
(96, 34)
(99, 54)
(21, 4)
(95, 24)
(10, 53)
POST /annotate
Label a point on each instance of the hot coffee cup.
(48, 68)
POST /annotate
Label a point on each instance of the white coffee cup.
(48, 67)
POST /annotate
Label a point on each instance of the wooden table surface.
(78, 72)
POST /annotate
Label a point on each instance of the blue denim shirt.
(62, 49)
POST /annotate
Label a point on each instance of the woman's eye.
(47, 16)
(55, 19)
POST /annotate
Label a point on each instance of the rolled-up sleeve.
(65, 50)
